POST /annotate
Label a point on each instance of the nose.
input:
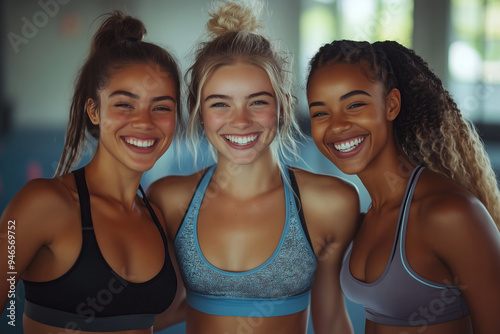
(340, 123)
(143, 120)
(240, 118)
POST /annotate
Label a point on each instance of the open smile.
(141, 143)
(348, 145)
(241, 140)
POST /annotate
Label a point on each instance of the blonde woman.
(255, 240)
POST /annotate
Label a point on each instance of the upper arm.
(26, 226)
(464, 236)
(331, 209)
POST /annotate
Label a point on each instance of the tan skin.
(239, 228)
(47, 211)
(451, 238)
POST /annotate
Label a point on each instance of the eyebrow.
(354, 92)
(136, 97)
(342, 98)
(227, 97)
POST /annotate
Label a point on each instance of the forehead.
(341, 78)
(141, 79)
(236, 78)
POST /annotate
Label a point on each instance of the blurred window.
(322, 21)
(474, 59)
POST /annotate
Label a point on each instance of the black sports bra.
(93, 297)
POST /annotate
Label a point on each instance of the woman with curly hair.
(90, 249)
(427, 254)
(253, 249)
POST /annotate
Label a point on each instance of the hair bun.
(118, 28)
(234, 16)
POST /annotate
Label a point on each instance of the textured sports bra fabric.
(279, 286)
(400, 296)
(91, 296)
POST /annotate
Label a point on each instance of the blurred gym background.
(44, 43)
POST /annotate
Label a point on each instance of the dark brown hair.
(117, 43)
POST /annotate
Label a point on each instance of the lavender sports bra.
(400, 296)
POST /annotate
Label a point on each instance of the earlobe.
(393, 104)
(92, 111)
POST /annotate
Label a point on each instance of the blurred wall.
(46, 41)
(46, 44)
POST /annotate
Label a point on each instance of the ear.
(392, 104)
(92, 111)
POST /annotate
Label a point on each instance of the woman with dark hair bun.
(92, 252)
(426, 257)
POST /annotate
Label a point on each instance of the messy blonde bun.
(234, 17)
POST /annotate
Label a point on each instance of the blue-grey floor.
(29, 154)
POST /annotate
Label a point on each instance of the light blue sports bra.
(400, 296)
(279, 286)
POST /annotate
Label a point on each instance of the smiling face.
(239, 112)
(136, 118)
(351, 116)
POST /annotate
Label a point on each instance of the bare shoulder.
(325, 188)
(174, 188)
(42, 205)
(172, 195)
(447, 209)
(42, 196)
(331, 205)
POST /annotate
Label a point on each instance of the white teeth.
(241, 140)
(349, 146)
(140, 143)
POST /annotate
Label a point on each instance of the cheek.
(213, 122)
(317, 132)
(167, 124)
(268, 120)
(109, 124)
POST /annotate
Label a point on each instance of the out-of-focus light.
(465, 63)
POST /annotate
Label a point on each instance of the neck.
(107, 180)
(248, 180)
(386, 178)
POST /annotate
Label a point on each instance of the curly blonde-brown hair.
(430, 127)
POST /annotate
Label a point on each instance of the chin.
(141, 167)
(349, 168)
